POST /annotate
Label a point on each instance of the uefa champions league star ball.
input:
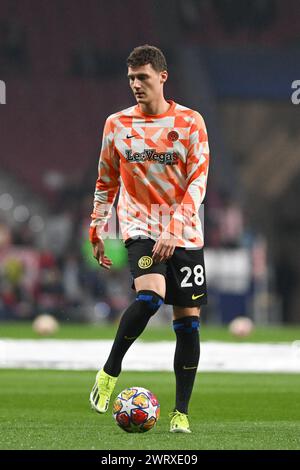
(45, 325)
(136, 410)
(241, 327)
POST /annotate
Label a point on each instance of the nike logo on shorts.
(195, 297)
(130, 136)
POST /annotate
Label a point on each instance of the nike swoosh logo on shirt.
(130, 136)
(195, 297)
(189, 368)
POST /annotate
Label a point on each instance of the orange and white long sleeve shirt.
(160, 164)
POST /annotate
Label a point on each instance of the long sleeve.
(107, 183)
(197, 172)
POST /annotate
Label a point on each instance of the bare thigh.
(180, 312)
(155, 282)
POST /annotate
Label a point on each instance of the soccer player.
(157, 153)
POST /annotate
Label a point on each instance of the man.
(157, 154)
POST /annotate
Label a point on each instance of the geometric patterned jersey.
(160, 164)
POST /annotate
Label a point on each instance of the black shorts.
(184, 271)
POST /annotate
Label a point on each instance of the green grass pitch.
(23, 330)
(50, 410)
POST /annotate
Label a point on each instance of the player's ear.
(163, 76)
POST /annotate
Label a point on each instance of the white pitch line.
(91, 354)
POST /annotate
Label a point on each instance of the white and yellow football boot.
(179, 422)
(101, 391)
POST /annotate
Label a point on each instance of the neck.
(160, 106)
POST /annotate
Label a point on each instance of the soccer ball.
(45, 325)
(136, 410)
(241, 327)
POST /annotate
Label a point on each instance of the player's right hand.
(98, 252)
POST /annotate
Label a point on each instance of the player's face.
(146, 83)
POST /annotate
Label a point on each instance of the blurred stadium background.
(63, 64)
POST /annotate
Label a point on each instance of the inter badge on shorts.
(173, 136)
(145, 262)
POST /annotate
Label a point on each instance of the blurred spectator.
(5, 236)
(58, 233)
(50, 292)
(231, 224)
(71, 279)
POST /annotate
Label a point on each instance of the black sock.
(132, 324)
(186, 359)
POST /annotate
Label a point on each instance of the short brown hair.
(143, 55)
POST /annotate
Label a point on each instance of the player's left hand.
(164, 248)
